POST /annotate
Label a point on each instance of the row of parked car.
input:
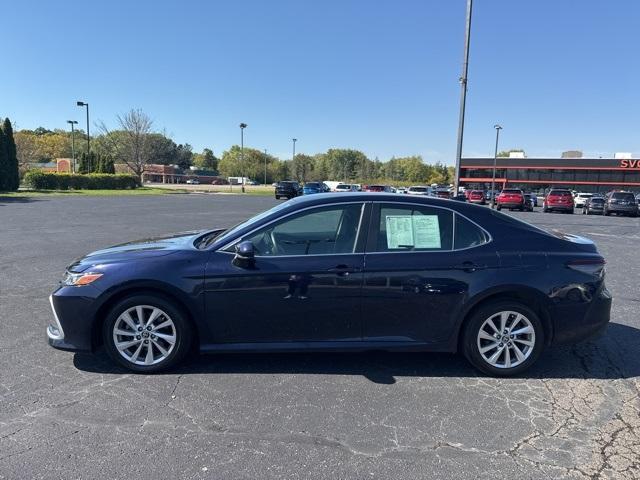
(563, 200)
(290, 188)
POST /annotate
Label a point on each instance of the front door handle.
(343, 270)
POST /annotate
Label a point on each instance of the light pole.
(495, 160)
(242, 127)
(265, 167)
(463, 96)
(294, 140)
(84, 104)
(73, 144)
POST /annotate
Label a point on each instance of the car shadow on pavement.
(613, 356)
(8, 200)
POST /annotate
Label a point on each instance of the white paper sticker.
(426, 231)
(413, 231)
(399, 231)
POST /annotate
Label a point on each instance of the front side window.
(320, 231)
(413, 228)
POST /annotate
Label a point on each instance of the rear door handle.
(469, 267)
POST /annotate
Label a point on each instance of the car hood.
(139, 249)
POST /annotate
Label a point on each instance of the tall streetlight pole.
(495, 160)
(84, 104)
(242, 127)
(293, 157)
(463, 96)
(265, 167)
(73, 144)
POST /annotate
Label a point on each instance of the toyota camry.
(338, 272)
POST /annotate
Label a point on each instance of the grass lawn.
(93, 193)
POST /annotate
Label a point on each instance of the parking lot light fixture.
(73, 144)
(85, 104)
(495, 160)
(242, 127)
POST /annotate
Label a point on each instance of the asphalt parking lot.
(575, 414)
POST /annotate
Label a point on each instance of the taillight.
(590, 266)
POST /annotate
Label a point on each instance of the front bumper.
(73, 314)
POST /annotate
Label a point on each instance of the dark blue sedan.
(339, 272)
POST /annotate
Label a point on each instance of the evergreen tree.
(13, 173)
(107, 165)
(4, 170)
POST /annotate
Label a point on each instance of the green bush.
(93, 181)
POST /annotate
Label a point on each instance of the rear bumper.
(577, 323)
(510, 205)
(622, 209)
(561, 208)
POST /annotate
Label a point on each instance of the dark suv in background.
(287, 189)
(621, 203)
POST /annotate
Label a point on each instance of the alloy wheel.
(506, 339)
(144, 335)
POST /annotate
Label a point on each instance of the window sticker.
(399, 231)
(426, 231)
(413, 231)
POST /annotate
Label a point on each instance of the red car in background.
(377, 188)
(511, 198)
(477, 196)
(558, 200)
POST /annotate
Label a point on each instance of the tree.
(206, 160)
(131, 146)
(4, 164)
(12, 181)
(184, 156)
(302, 168)
(27, 148)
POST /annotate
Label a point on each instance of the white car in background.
(581, 198)
(346, 187)
(418, 190)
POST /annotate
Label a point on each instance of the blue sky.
(377, 76)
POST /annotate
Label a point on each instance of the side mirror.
(245, 255)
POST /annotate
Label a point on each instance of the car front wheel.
(146, 333)
(503, 338)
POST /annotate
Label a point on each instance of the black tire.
(183, 333)
(277, 197)
(545, 210)
(470, 339)
(498, 208)
(606, 213)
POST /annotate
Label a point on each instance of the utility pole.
(495, 161)
(463, 96)
(242, 127)
(265, 167)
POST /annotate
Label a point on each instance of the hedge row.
(93, 181)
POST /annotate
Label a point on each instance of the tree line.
(136, 143)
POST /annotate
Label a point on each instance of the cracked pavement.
(576, 414)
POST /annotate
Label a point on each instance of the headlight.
(80, 279)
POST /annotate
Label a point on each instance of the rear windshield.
(511, 190)
(585, 195)
(312, 185)
(560, 193)
(623, 196)
(476, 192)
(286, 184)
(343, 187)
(596, 200)
(418, 189)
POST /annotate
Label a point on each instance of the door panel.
(417, 297)
(283, 299)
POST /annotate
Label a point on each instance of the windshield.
(233, 230)
(343, 187)
(560, 193)
(418, 189)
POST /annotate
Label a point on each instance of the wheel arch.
(154, 288)
(528, 296)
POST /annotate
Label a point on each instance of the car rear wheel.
(146, 333)
(503, 338)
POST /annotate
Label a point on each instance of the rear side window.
(413, 228)
(467, 234)
(560, 193)
(623, 196)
